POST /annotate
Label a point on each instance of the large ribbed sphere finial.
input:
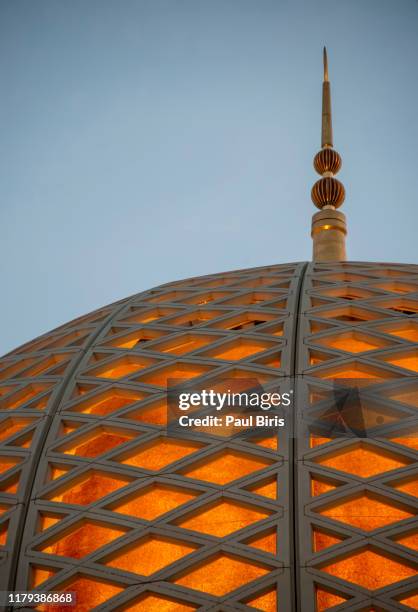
(328, 191)
(327, 160)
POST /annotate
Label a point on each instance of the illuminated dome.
(97, 499)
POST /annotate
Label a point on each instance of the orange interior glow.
(266, 489)
(150, 554)
(410, 540)
(409, 441)
(408, 361)
(40, 574)
(226, 467)
(238, 350)
(160, 453)
(370, 570)
(150, 502)
(82, 540)
(222, 518)
(182, 371)
(47, 519)
(407, 397)
(185, 344)
(109, 402)
(12, 426)
(351, 342)
(316, 440)
(407, 332)
(3, 533)
(411, 601)
(120, 367)
(155, 413)
(366, 512)
(96, 445)
(7, 463)
(90, 593)
(326, 599)
(320, 486)
(363, 461)
(266, 602)
(323, 539)
(221, 574)
(89, 489)
(266, 542)
(409, 485)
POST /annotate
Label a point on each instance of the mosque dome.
(99, 499)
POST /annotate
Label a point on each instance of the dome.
(97, 499)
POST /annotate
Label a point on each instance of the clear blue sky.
(144, 141)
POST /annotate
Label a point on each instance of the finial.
(328, 225)
(326, 79)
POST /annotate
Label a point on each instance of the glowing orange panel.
(410, 442)
(326, 599)
(3, 534)
(160, 453)
(267, 489)
(109, 402)
(409, 486)
(222, 518)
(410, 540)
(366, 512)
(7, 463)
(90, 593)
(318, 440)
(409, 332)
(150, 554)
(185, 372)
(10, 427)
(323, 539)
(97, 444)
(89, 489)
(150, 502)
(26, 394)
(410, 601)
(156, 414)
(409, 362)
(355, 371)
(151, 602)
(370, 570)
(266, 542)
(120, 368)
(350, 342)
(82, 540)
(47, 519)
(226, 467)
(40, 574)
(270, 442)
(185, 344)
(239, 350)
(266, 602)
(319, 486)
(221, 574)
(363, 461)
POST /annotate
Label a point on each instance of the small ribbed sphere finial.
(327, 160)
(328, 191)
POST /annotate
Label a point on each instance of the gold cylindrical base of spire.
(328, 233)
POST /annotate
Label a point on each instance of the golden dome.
(328, 191)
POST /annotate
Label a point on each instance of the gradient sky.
(144, 141)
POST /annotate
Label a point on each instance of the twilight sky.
(145, 141)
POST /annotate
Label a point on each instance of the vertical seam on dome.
(293, 484)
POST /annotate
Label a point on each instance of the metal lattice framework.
(96, 498)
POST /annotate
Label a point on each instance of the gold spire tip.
(326, 79)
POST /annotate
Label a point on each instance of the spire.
(328, 225)
(326, 106)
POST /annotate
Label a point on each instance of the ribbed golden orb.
(327, 160)
(328, 191)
